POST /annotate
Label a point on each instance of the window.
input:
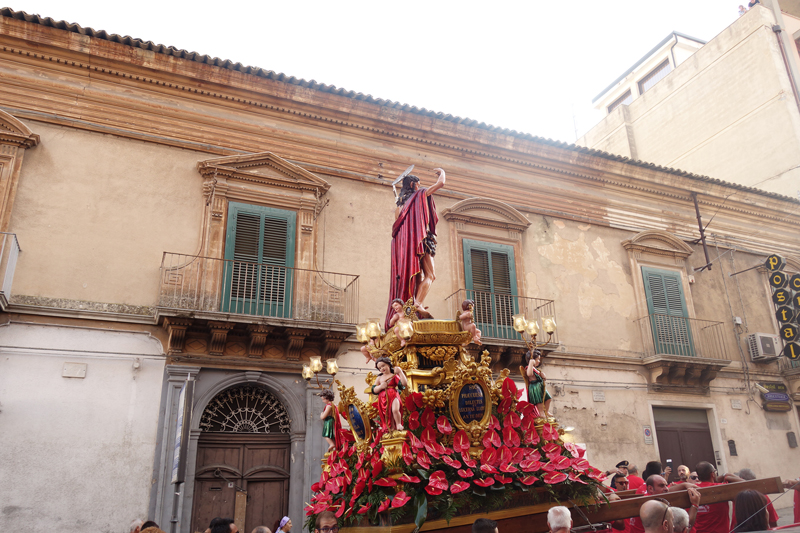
(491, 281)
(655, 75)
(259, 256)
(667, 309)
(625, 99)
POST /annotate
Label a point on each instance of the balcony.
(226, 297)
(682, 352)
(9, 252)
(493, 316)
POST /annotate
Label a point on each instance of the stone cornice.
(246, 168)
(473, 211)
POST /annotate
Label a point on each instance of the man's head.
(148, 524)
(693, 477)
(656, 517)
(680, 519)
(705, 471)
(261, 529)
(136, 526)
(326, 523)
(747, 474)
(622, 483)
(656, 485)
(559, 518)
(653, 467)
(224, 525)
(632, 470)
(683, 473)
(484, 525)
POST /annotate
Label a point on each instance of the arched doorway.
(243, 459)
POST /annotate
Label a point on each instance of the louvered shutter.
(668, 316)
(491, 282)
(259, 253)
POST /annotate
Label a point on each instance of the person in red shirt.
(634, 481)
(713, 518)
(657, 485)
(790, 484)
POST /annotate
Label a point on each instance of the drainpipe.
(671, 53)
(785, 43)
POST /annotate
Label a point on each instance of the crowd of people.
(223, 525)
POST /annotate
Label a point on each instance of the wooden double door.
(241, 476)
(683, 436)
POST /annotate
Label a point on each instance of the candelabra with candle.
(315, 367)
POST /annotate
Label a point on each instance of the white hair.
(136, 523)
(680, 519)
(559, 518)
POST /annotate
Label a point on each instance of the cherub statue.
(467, 321)
(399, 314)
(331, 425)
(386, 387)
(366, 352)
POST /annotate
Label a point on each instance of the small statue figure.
(386, 387)
(366, 352)
(397, 306)
(467, 321)
(537, 391)
(331, 425)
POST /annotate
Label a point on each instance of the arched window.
(245, 409)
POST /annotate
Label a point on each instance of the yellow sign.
(774, 262)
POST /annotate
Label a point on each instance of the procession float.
(437, 440)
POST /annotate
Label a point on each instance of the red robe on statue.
(416, 219)
(383, 404)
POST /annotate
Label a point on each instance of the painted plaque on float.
(471, 403)
(356, 422)
(774, 262)
(778, 280)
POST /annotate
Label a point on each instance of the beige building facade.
(731, 110)
(182, 216)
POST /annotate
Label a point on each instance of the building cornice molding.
(474, 211)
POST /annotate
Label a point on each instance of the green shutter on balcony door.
(259, 254)
(491, 281)
(669, 318)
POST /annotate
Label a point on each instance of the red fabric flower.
(413, 401)
(549, 432)
(518, 455)
(489, 456)
(363, 509)
(502, 479)
(466, 474)
(431, 449)
(384, 505)
(484, 482)
(399, 500)
(320, 507)
(386, 482)
(438, 480)
(574, 476)
(458, 486)
(443, 425)
(489, 469)
(512, 419)
(525, 408)
(509, 388)
(504, 455)
(405, 478)
(413, 420)
(423, 460)
(529, 480)
(449, 461)
(510, 436)
(408, 457)
(533, 454)
(491, 438)
(580, 464)
(494, 423)
(415, 442)
(595, 474)
(340, 511)
(428, 435)
(348, 477)
(530, 465)
(467, 460)
(433, 491)
(461, 441)
(309, 509)
(508, 468)
(359, 488)
(549, 467)
(377, 468)
(504, 406)
(551, 478)
(315, 487)
(532, 437)
(427, 418)
(561, 462)
(528, 424)
(551, 447)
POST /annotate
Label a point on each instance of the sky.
(530, 66)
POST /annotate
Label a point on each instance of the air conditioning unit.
(763, 346)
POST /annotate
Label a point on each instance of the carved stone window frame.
(470, 218)
(15, 138)
(262, 179)
(663, 250)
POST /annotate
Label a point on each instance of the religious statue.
(414, 243)
(331, 425)
(467, 319)
(399, 314)
(537, 391)
(386, 387)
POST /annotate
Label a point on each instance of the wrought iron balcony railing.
(9, 252)
(195, 283)
(494, 312)
(677, 335)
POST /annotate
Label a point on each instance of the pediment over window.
(264, 168)
(15, 133)
(658, 242)
(487, 212)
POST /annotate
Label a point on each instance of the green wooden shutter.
(669, 318)
(491, 281)
(259, 255)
